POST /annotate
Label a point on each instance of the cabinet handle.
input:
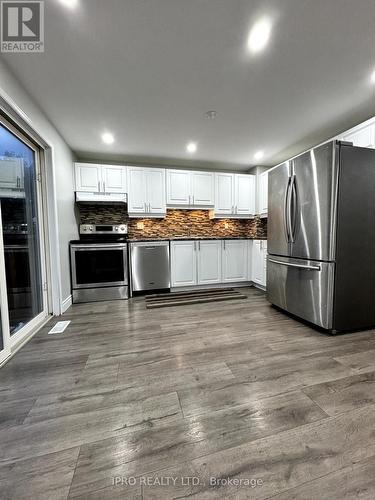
(224, 244)
(189, 200)
(193, 199)
(145, 207)
(103, 186)
(98, 186)
(149, 207)
(232, 209)
(199, 245)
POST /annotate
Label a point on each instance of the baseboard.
(66, 304)
(260, 287)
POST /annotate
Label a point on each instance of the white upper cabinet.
(235, 261)
(234, 195)
(187, 188)
(93, 178)
(263, 194)
(203, 188)
(137, 190)
(11, 173)
(114, 179)
(209, 262)
(244, 194)
(146, 192)
(155, 191)
(178, 187)
(364, 137)
(224, 194)
(88, 177)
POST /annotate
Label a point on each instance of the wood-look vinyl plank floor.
(232, 390)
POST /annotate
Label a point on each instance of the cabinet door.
(234, 261)
(258, 263)
(114, 179)
(264, 258)
(88, 177)
(11, 175)
(183, 263)
(250, 260)
(209, 262)
(364, 137)
(263, 194)
(137, 190)
(203, 184)
(155, 194)
(224, 194)
(178, 187)
(244, 199)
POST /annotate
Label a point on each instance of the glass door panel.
(21, 233)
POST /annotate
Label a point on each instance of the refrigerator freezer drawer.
(302, 287)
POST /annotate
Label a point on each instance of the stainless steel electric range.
(99, 263)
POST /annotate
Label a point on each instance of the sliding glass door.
(24, 298)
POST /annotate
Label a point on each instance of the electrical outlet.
(140, 225)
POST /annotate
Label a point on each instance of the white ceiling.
(147, 70)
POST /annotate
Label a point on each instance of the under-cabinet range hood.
(107, 198)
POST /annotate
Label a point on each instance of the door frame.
(19, 338)
(5, 353)
(15, 115)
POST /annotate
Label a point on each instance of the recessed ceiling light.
(211, 114)
(191, 147)
(258, 155)
(108, 138)
(259, 35)
(71, 4)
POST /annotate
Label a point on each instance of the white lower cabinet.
(235, 257)
(183, 263)
(250, 260)
(259, 262)
(195, 262)
(209, 262)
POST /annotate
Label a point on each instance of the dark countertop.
(192, 238)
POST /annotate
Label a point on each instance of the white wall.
(62, 164)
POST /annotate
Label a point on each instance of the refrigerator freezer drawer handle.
(299, 266)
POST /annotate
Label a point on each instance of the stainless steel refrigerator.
(321, 237)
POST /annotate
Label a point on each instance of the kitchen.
(212, 235)
(187, 249)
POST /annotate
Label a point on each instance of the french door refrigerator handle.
(299, 266)
(287, 211)
(293, 211)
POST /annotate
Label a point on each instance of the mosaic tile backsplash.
(177, 223)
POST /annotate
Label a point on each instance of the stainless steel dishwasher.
(149, 264)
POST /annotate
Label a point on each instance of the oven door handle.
(95, 246)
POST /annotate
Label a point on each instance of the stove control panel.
(103, 229)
